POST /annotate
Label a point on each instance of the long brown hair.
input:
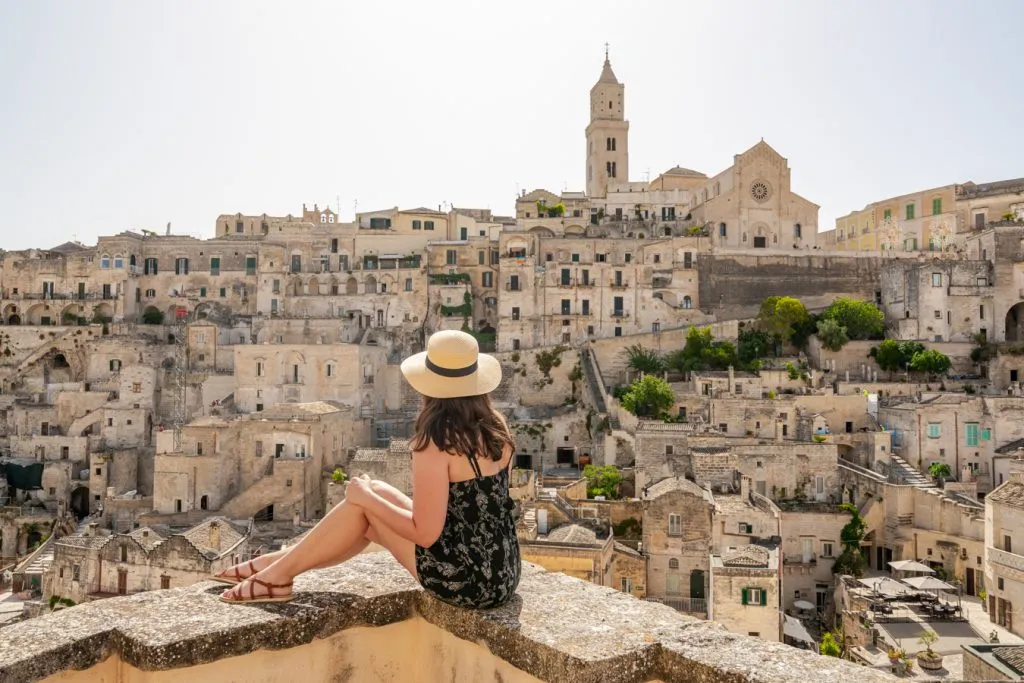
(462, 426)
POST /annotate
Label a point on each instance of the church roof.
(746, 556)
(69, 248)
(680, 171)
(607, 75)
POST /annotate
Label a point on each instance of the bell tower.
(607, 133)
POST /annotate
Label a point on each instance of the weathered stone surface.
(557, 629)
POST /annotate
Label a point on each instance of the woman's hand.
(357, 491)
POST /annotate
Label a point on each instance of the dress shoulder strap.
(475, 465)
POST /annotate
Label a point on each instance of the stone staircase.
(901, 471)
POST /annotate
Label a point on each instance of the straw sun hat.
(452, 367)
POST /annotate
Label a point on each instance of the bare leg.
(343, 533)
(382, 489)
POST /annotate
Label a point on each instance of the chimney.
(215, 535)
(1017, 470)
(93, 529)
(744, 487)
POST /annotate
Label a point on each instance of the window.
(486, 279)
(119, 261)
(76, 572)
(626, 585)
(934, 430)
(513, 283)
(721, 230)
(408, 284)
(887, 215)
(104, 261)
(259, 368)
(986, 434)
(936, 206)
(165, 582)
(181, 266)
(428, 225)
(755, 596)
(250, 265)
(668, 449)
(999, 583)
(971, 433)
(199, 448)
(675, 524)
(115, 365)
(565, 278)
(515, 344)
(936, 279)
(124, 553)
(575, 258)
(826, 549)
(515, 313)
(417, 225)
(797, 230)
(214, 265)
(673, 563)
(938, 315)
(723, 427)
(451, 257)
(746, 528)
(202, 292)
(910, 212)
(150, 266)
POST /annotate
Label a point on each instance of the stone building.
(1004, 538)
(744, 586)
(962, 431)
(939, 300)
(266, 465)
(677, 539)
(98, 564)
(392, 464)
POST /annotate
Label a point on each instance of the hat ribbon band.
(451, 372)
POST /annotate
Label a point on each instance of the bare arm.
(423, 525)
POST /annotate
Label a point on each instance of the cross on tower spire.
(606, 51)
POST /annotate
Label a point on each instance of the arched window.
(330, 218)
(673, 563)
(329, 369)
(323, 218)
(105, 261)
(687, 302)
(119, 261)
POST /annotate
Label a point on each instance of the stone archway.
(12, 315)
(80, 502)
(1015, 323)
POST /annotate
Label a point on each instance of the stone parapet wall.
(555, 629)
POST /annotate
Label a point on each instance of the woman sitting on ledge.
(458, 536)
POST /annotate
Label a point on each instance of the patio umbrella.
(928, 583)
(804, 604)
(794, 628)
(911, 566)
(885, 585)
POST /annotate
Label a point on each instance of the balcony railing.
(616, 313)
(1006, 559)
(619, 285)
(689, 605)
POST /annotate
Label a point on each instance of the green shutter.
(202, 291)
(937, 206)
(986, 434)
(888, 213)
(971, 433)
(744, 596)
(214, 264)
(223, 292)
(910, 211)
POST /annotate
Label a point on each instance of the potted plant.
(929, 659)
(895, 654)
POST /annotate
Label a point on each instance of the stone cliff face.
(555, 629)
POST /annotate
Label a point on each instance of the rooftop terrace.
(368, 621)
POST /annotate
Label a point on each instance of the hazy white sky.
(128, 114)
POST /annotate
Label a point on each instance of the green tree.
(338, 476)
(931, 361)
(780, 316)
(832, 335)
(862, 319)
(645, 360)
(888, 355)
(850, 560)
(751, 346)
(649, 396)
(602, 481)
(828, 645)
(940, 470)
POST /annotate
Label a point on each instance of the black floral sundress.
(475, 562)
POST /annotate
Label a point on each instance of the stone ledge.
(557, 629)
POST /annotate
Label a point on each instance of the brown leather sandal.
(253, 598)
(236, 578)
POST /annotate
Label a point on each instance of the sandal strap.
(270, 586)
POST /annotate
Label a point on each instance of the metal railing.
(690, 605)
